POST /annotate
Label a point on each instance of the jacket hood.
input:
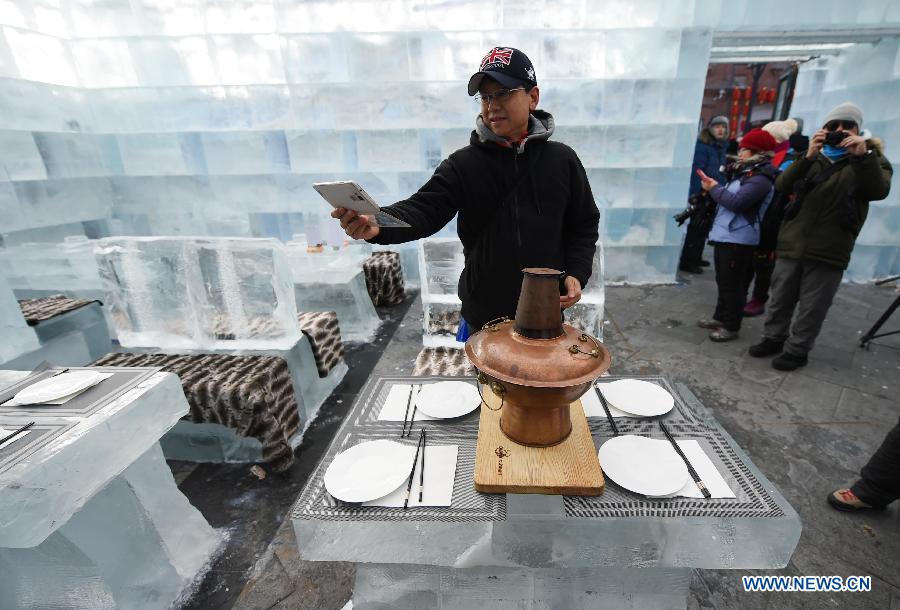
(540, 127)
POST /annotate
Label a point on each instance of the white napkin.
(19, 436)
(394, 406)
(706, 470)
(440, 473)
(59, 401)
(594, 408)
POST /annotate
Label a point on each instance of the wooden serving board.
(570, 468)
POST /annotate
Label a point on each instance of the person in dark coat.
(879, 482)
(831, 187)
(709, 157)
(523, 200)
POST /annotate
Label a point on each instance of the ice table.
(495, 550)
(89, 512)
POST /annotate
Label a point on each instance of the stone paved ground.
(809, 431)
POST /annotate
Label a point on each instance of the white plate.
(448, 399)
(643, 465)
(637, 397)
(368, 471)
(65, 384)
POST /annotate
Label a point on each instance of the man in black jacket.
(523, 201)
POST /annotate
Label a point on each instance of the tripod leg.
(870, 334)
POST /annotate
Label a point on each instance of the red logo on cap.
(496, 55)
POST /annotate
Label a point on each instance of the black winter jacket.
(529, 206)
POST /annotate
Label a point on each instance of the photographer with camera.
(709, 157)
(830, 190)
(735, 231)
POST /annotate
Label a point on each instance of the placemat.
(39, 435)
(83, 405)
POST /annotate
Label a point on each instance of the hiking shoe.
(709, 324)
(695, 269)
(846, 500)
(766, 348)
(720, 335)
(753, 308)
(788, 362)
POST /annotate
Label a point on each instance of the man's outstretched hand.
(356, 225)
(573, 292)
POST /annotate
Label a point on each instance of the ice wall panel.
(316, 151)
(104, 63)
(162, 62)
(245, 152)
(70, 155)
(152, 154)
(55, 202)
(443, 56)
(388, 150)
(20, 156)
(248, 60)
(240, 16)
(111, 18)
(41, 58)
(7, 63)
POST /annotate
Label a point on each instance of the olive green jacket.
(832, 214)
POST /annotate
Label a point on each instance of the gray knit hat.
(848, 111)
(719, 120)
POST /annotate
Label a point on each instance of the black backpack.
(771, 223)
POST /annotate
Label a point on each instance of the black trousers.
(880, 482)
(733, 263)
(694, 242)
(761, 269)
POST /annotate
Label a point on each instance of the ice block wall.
(214, 118)
(868, 75)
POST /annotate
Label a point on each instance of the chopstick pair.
(700, 485)
(609, 417)
(404, 433)
(412, 472)
(16, 433)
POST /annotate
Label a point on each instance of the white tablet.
(348, 194)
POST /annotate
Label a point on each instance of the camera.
(697, 205)
(834, 138)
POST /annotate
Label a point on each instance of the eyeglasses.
(835, 125)
(500, 96)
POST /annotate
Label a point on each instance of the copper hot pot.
(536, 364)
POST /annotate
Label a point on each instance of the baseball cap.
(509, 67)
